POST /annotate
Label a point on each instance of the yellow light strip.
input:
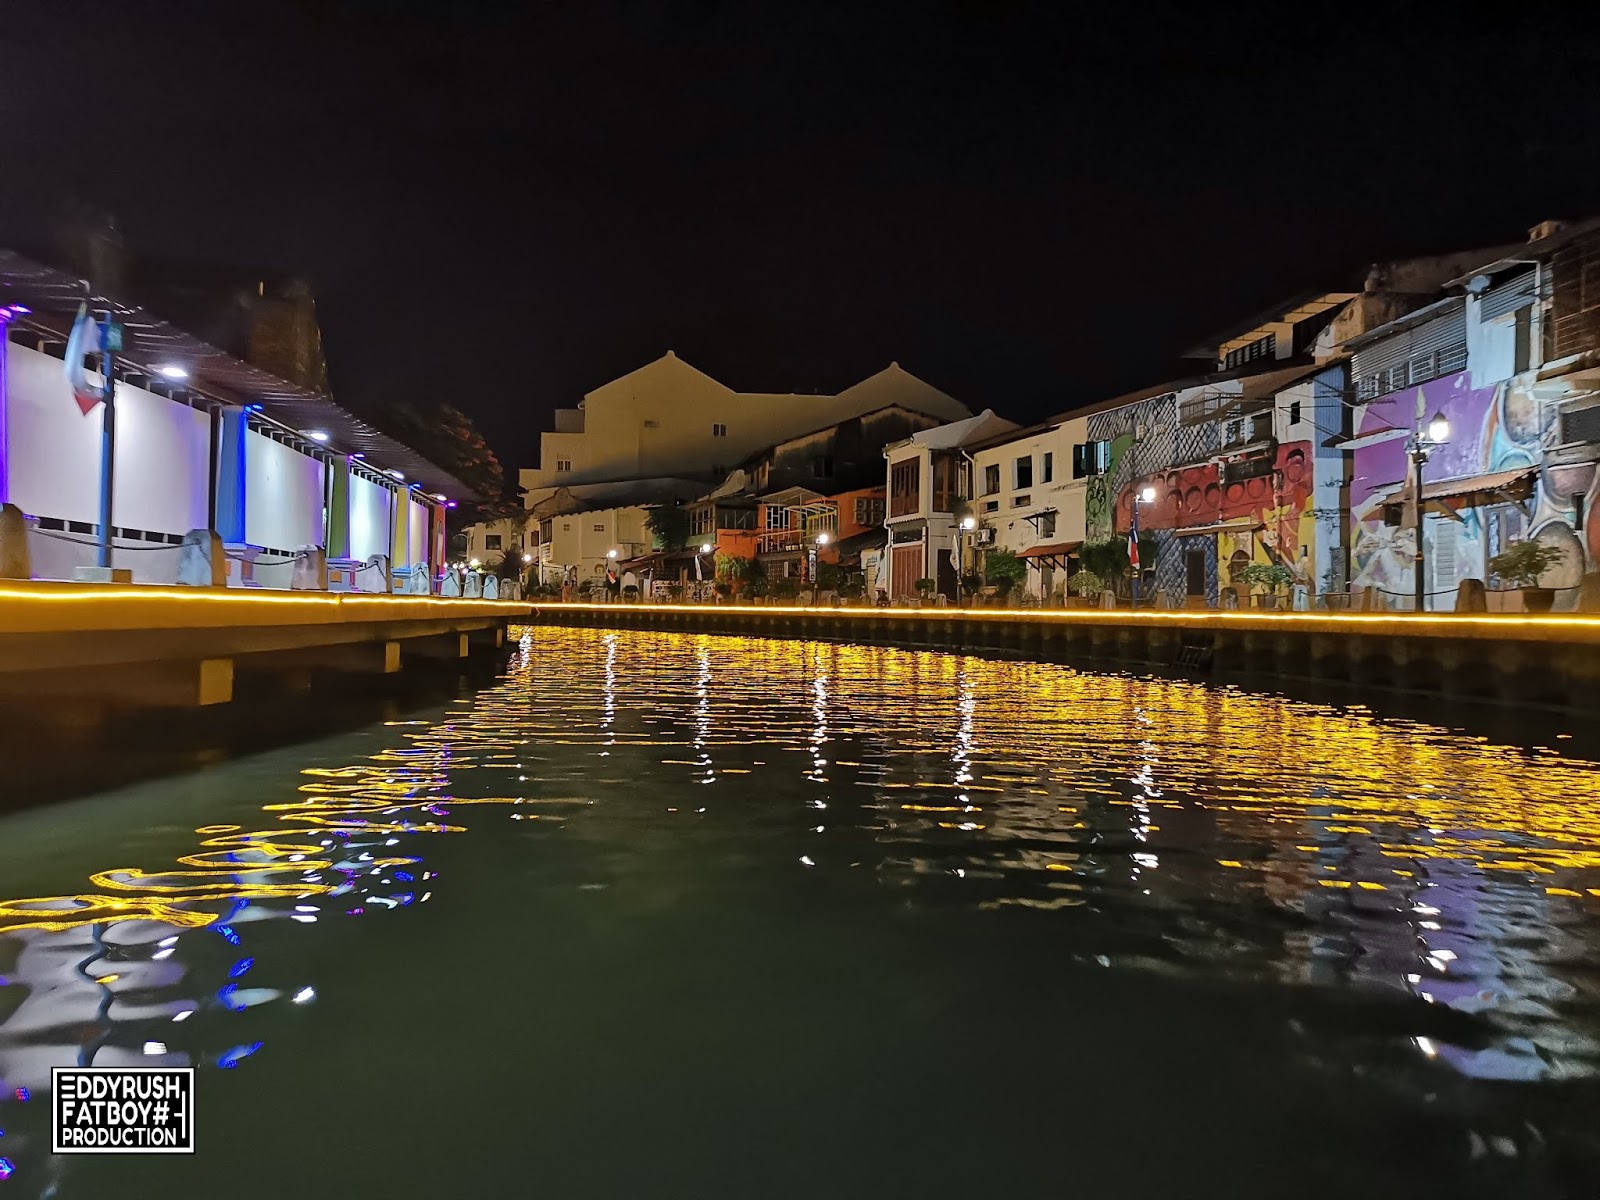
(1542, 628)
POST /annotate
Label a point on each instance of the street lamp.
(1437, 433)
(816, 582)
(967, 525)
(1145, 495)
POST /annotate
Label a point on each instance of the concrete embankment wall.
(1522, 661)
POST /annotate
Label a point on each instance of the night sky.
(507, 205)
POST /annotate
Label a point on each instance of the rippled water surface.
(676, 916)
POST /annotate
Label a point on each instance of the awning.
(1054, 555)
(1237, 525)
(1054, 550)
(1516, 483)
(149, 343)
(867, 539)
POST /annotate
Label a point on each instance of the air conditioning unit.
(985, 537)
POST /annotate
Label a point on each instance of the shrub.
(722, 589)
(925, 586)
(1086, 583)
(1271, 576)
(1004, 569)
(669, 526)
(1521, 563)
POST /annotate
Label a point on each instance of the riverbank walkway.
(138, 646)
(133, 646)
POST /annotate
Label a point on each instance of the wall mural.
(1504, 427)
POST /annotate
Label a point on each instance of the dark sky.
(506, 205)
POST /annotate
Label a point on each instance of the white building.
(669, 419)
(1029, 501)
(203, 441)
(929, 475)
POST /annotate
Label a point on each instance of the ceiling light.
(317, 435)
(173, 371)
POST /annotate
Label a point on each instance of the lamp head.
(969, 523)
(705, 547)
(1438, 427)
(1147, 494)
(822, 539)
(611, 553)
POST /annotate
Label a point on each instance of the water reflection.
(1154, 827)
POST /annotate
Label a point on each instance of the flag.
(84, 339)
(1133, 550)
(698, 577)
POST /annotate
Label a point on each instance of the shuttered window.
(1426, 351)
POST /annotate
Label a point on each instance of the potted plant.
(925, 589)
(1086, 586)
(630, 594)
(1521, 564)
(1270, 576)
(1004, 570)
(970, 583)
(675, 592)
(723, 589)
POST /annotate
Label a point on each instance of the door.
(906, 569)
(1194, 566)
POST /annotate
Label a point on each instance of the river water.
(660, 915)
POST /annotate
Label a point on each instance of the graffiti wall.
(1501, 428)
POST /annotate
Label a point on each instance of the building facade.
(1511, 359)
(929, 483)
(668, 418)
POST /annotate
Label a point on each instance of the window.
(991, 479)
(491, 541)
(905, 487)
(777, 517)
(991, 506)
(822, 466)
(1294, 412)
(599, 528)
(1264, 347)
(869, 510)
(1047, 467)
(1577, 511)
(719, 430)
(1091, 458)
(1523, 335)
(1021, 501)
(1022, 473)
(563, 464)
(1047, 525)
(946, 483)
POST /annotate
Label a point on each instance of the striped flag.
(84, 339)
(1133, 550)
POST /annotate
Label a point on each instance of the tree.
(448, 438)
(669, 525)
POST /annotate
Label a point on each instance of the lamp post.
(816, 582)
(968, 524)
(1147, 495)
(1421, 442)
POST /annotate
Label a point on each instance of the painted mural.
(1504, 427)
(1267, 519)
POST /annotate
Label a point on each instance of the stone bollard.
(202, 562)
(1470, 597)
(310, 570)
(1588, 593)
(491, 587)
(1108, 599)
(450, 585)
(474, 587)
(1300, 598)
(420, 581)
(13, 543)
(1371, 600)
